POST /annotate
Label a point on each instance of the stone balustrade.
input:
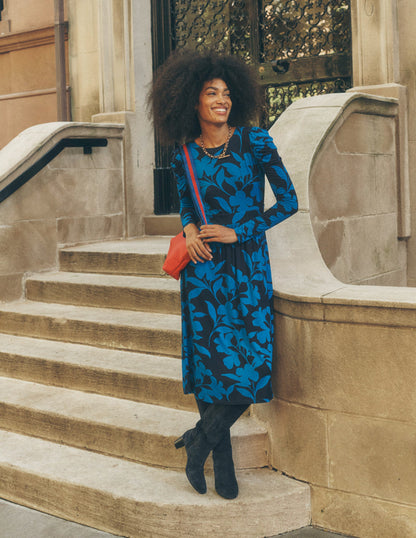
(344, 416)
(76, 198)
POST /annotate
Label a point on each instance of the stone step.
(130, 499)
(103, 327)
(144, 256)
(106, 291)
(162, 224)
(130, 430)
(122, 374)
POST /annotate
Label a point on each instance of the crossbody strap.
(193, 183)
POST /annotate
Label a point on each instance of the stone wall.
(384, 63)
(344, 414)
(77, 198)
(354, 203)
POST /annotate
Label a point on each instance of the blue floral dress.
(227, 311)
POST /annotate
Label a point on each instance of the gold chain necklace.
(224, 151)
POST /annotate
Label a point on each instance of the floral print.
(227, 315)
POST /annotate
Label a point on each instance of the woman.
(208, 101)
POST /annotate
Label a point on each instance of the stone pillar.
(116, 69)
(100, 52)
(375, 42)
(83, 52)
(143, 74)
(106, 44)
(407, 36)
(111, 69)
(384, 63)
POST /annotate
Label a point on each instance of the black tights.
(217, 419)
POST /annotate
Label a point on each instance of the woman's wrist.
(191, 229)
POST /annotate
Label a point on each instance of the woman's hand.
(218, 233)
(197, 249)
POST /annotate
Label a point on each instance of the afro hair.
(178, 84)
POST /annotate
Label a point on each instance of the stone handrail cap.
(299, 272)
(32, 143)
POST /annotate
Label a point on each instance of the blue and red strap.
(193, 182)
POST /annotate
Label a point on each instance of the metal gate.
(299, 47)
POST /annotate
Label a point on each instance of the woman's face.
(214, 102)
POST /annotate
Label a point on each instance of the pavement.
(20, 522)
(311, 532)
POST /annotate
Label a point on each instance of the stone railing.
(344, 415)
(78, 197)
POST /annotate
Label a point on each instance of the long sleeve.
(187, 211)
(267, 158)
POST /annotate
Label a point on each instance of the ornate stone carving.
(369, 7)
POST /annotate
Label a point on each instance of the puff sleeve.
(267, 158)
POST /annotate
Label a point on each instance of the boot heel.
(179, 443)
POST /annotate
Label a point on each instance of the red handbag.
(178, 258)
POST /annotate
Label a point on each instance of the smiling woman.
(214, 104)
(177, 87)
(226, 290)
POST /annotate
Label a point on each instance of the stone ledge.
(375, 305)
(33, 143)
(12, 41)
(304, 286)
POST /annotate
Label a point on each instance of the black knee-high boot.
(226, 484)
(207, 434)
(197, 450)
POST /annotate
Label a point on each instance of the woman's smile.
(214, 104)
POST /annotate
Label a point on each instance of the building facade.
(27, 66)
(368, 135)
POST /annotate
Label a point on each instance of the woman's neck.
(213, 135)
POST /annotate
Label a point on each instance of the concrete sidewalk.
(310, 532)
(20, 522)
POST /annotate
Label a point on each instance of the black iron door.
(299, 47)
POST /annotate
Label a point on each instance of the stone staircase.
(91, 401)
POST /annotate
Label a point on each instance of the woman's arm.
(197, 249)
(266, 155)
(187, 211)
